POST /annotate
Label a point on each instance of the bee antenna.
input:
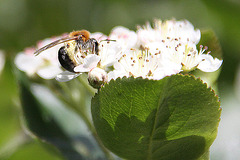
(109, 40)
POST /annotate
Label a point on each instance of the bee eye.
(65, 60)
(96, 47)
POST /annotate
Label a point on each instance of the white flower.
(46, 64)
(125, 37)
(177, 40)
(168, 31)
(167, 48)
(2, 60)
(205, 62)
(140, 63)
(109, 53)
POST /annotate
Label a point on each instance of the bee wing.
(66, 76)
(50, 45)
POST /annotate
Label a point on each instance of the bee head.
(83, 34)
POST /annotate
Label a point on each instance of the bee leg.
(91, 44)
(80, 45)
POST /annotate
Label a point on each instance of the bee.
(76, 41)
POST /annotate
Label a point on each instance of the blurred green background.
(24, 22)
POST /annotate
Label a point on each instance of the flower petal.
(110, 52)
(27, 63)
(209, 64)
(49, 72)
(99, 36)
(124, 36)
(89, 63)
(66, 76)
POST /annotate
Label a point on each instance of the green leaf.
(209, 39)
(205, 156)
(173, 118)
(49, 120)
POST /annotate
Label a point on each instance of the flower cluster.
(152, 52)
(45, 65)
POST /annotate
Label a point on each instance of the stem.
(90, 127)
(87, 86)
(75, 106)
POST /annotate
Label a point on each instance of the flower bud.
(97, 77)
